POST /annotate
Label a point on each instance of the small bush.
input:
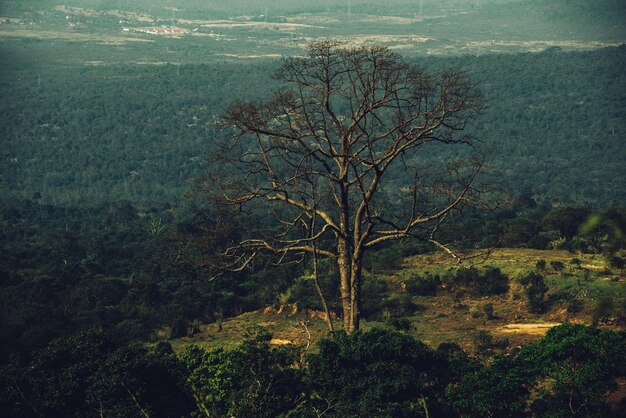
(373, 295)
(384, 260)
(484, 341)
(605, 307)
(557, 265)
(178, 328)
(467, 276)
(423, 286)
(458, 299)
(535, 289)
(474, 311)
(488, 309)
(617, 262)
(253, 380)
(303, 293)
(574, 306)
(621, 312)
(399, 324)
(379, 373)
(541, 265)
(398, 306)
(491, 282)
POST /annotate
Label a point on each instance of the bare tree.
(344, 149)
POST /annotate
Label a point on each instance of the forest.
(138, 133)
(146, 269)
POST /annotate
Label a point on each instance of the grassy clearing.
(453, 316)
(286, 324)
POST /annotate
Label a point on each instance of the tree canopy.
(324, 146)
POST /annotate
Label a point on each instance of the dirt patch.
(252, 56)
(533, 329)
(313, 19)
(592, 267)
(390, 20)
(278, 341)
(230, 24)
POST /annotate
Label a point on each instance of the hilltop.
(579, 286)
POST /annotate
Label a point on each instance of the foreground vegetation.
(152, 288)
(66, 269)
(572, 371)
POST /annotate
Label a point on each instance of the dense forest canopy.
(98, 133)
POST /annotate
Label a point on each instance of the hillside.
(452, 312)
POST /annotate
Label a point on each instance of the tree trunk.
(344, 265)
(320, 292)
(355, 293)
(350, 272)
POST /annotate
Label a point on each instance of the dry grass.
(443, 318)
(286, 324)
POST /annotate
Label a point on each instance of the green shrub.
(467, 276)
(541, 264)
(621, 311)
(378, 373)
(580, 363)
(178, 328)
(253, 380)
(488, 309)
(574, 306)
(604, 308)
(423, 286)
(493, 282)
(484, 341)
(303, 292)
(557, 265)
(89, 374)
(373, 298)
(458, 299)
(399, 324)
(383, 260)
(617, 262)
(398, 306)
(490, 282)
(535, 289)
